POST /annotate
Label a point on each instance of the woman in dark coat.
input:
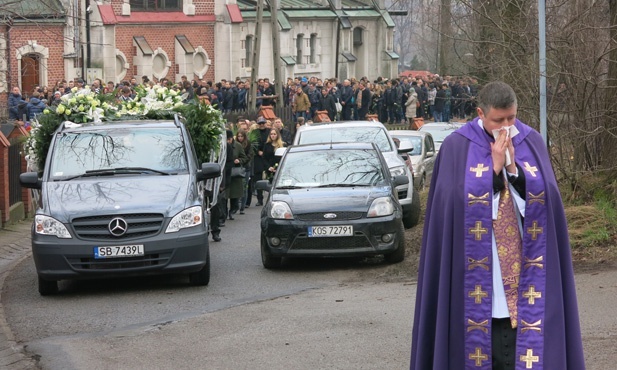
(235, 190)
(243, 140)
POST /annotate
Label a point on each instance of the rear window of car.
(376, 135)
(412, 141)
(331, 167)
(160, 149)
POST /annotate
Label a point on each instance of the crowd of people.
(388, 100)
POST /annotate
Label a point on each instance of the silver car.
(369, 132)
(422, 156)
(440, 130)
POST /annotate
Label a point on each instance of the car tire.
(47, 287)
(399, 254)
(269, 261)
(201, 277)
(411, 217)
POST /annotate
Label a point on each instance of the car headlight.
(281, 210)
(397, 171)
(381, 207)
(188, 218)
(46, 225)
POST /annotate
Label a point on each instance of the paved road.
(348, 324)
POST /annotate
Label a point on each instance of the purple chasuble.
(452, 322)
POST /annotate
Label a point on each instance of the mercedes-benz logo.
(329, 215)
(118, 226)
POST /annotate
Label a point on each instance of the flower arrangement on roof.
(84, 107)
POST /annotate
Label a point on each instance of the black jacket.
(328, 103)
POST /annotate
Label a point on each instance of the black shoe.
(241, 212)
(221, 224)
(231, 217)
(216, 237)
(259, 204)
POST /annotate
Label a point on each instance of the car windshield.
(440, 132)
(376, 135)
(97, 152)
(329, 168)
(411, 141)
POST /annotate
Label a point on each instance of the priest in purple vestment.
(495, 283)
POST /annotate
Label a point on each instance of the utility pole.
(276, 52)
(255, 57)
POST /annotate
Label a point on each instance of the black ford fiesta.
(329, 200)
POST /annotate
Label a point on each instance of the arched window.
(299, 48)
(313, 45)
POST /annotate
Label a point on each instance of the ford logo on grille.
(329, 215)
(117, 226)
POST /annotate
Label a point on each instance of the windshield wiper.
(139, 169)
(115, 171)
(340, 185)
(289, 187)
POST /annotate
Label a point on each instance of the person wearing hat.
(259, 164)
(56, 99)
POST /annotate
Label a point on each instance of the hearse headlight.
(188, 218)
(281, 211)
(381, 207)
(46, 225)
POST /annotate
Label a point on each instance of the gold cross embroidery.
(483, 263)
(477, 325)
(532, 295)
(536, 262)
(535, 230)
(529, 359)
(536, 198)
(478, 356)
(531, 169)
(478, 230)
(533, 326)
(478, 294)
(479, 170)
(482, 199)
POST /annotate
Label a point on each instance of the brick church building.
(45, 41)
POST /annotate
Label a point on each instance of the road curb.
(14, 249)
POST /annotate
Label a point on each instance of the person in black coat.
(440, 104)
(327, 102)
(363, 100)
(346, 93)
(259, 163)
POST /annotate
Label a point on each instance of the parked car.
(120, 199)
(439, 130)
(422, 156)
(332, 200)
(370, 132)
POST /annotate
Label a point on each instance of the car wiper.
(290, 187)
(114, 171)
(340, 185)
(139, 169)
